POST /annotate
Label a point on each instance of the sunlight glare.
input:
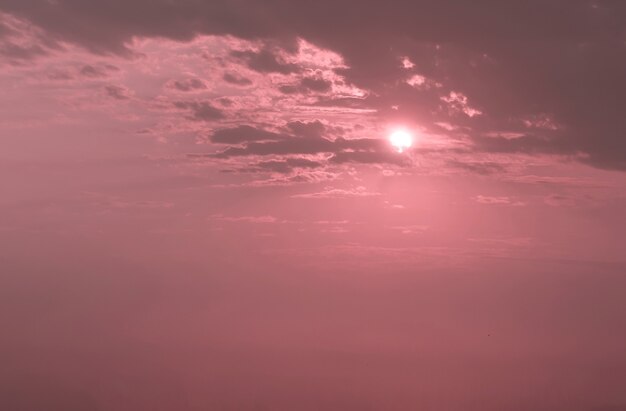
(401, 139)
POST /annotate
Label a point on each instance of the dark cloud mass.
(243, 134)
(311, 129)
(283, 166)
(316, 84)
(265, 61)
(513, 59)
(200, 110)
(307, 85)
(302, 138)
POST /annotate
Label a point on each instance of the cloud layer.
(550, 72)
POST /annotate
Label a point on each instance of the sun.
(401, 139)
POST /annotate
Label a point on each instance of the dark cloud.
(247, 134)
(265, 61)
(200, 110)
(290, 163)
(5, 30)
(369, 157)
(282, 166)
(307, 85)
(93, 72)
(289, 89)
(483, 168)
(244, 134)
(319, 85)
(529, 143)
(117, 92)
(188, 84)
(226, 102)
(17, 54)
(346, 102)
(302, 138)
(284, 147)
(362, 144)
(236, 79)
(313, 129)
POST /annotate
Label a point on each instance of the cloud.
(297, 145)
(20, 41)
(188, 84)
(369, 157)
(501, 200)
(557, 181)
(570, 200)
(483, 168)
(555, 69)
(299, 176)
(200, 110)
(304, 138)
(91, 71)
(307, 85)
(286, 165)
(265, 61)
(117, 92)
(458, 101)
(330, 192)
(16, 52)
(319, 85)
(284, 147)
(236, 79)
(312, 129)
(263, 219)
(410, 229)
(244, 134)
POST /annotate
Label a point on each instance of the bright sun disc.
(401, 140)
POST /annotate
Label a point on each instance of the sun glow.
(401, 139)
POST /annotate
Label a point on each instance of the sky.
(201, 207)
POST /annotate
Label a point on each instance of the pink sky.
(200, 207)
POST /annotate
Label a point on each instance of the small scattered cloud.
(262, 219)
(570, 200)
(118, 92)
(97, 71)
(501, 200)
(236, 79)
(330, 192)
(410, 228)
(459, 102)
(407, 63)
(191, 84)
